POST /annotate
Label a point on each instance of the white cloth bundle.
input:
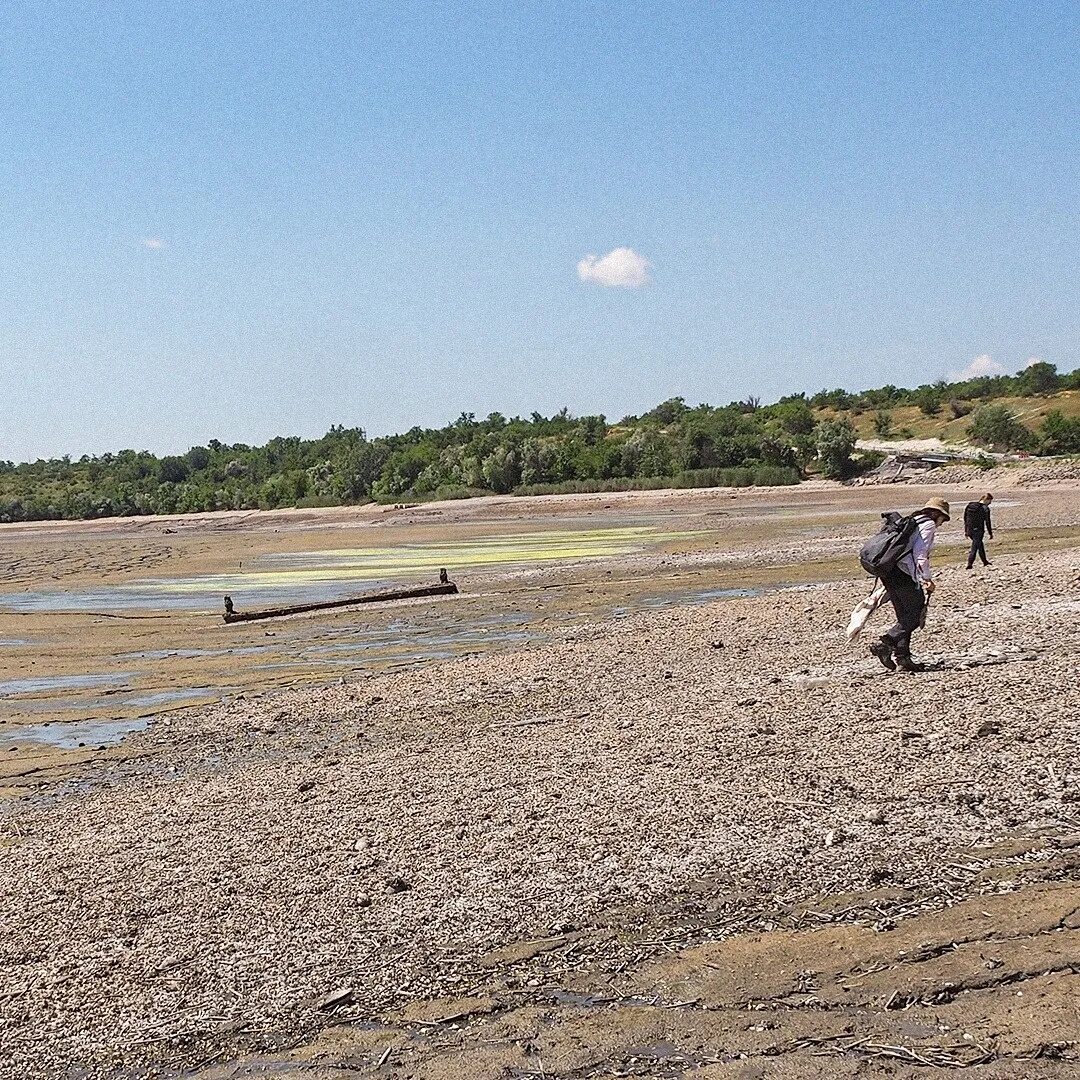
(864, 609)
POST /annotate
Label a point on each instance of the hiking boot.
(883, 651)
(905, 663)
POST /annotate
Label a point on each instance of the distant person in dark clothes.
(909, 585)
(976, 524)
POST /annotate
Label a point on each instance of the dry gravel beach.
(702, 840)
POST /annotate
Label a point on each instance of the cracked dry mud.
(990, 981)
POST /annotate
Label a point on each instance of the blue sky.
(246, 219)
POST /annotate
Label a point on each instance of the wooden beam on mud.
(444, 588)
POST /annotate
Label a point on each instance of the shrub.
(312, 502)
(759, 476)
(1038, 378)
(835, 440)
(867, 461)
(929, 401)
(1061, 435)
(882, 423)
(173, 470)
(997, 427)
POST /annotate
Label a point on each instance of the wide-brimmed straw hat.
(940, 505)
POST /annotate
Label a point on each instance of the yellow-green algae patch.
(380, 563)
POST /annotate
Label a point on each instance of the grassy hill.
(909, 421)
(673, 444)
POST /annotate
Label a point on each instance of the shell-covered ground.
(712, 840)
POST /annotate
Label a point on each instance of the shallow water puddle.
(690, 597)
(144, 700)
(334, 575)
(123, 699)
(685, 598)
(192, 654)
(64, 682)
(437, 640)
(73, 734)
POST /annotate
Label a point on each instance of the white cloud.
(622, 268)
(980, 366)
(154, 243)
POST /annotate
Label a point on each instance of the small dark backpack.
(886, 548)
(973, 518)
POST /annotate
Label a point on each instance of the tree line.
(675, 443)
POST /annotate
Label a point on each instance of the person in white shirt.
(909, 585)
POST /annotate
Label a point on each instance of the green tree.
(502, 472)
(172, 470)
(198, 457)
(996, 427)
(795, 417)
(883, 423)
(668, 412)
(355, 465)
(835, 440)
(928, 398)
(1038, 378)
(538, 462)
(593, 429)
(402, 470)
(1061, 434)
(647, 453)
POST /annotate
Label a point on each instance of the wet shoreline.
(583, 562)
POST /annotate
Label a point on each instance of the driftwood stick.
(442, 589)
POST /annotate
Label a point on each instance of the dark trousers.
(908, 602)
(977, 549)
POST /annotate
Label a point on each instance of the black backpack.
(886, 548)
(973, 518)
